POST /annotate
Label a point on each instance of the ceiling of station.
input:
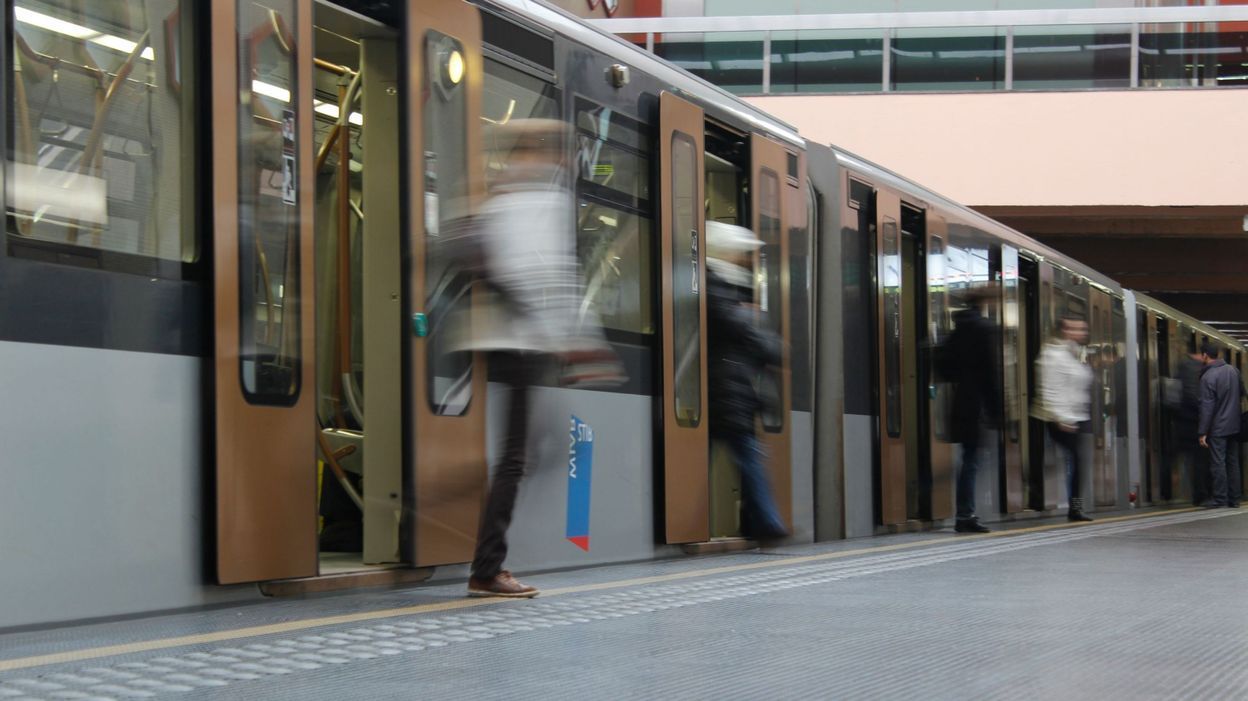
(1193, 258)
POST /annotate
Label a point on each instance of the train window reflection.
(101, 118)
(447, 291)
(615, 249)
(268, 194)
(613, 223)
(891, 282)
(686, 282)
(769, 292)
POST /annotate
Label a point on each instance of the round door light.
(454, 66)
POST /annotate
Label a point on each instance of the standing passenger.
(1220, 392)
(968, 361)
(1065, 388)
(739, 351)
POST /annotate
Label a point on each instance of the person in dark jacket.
(968, 360)
(1220, 392)
(738, 352)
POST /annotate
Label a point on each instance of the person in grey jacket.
(1220, 392)
(1065, 389)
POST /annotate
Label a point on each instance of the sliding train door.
(1014, 385)
(445, 453)
(939, 395)
(1101, 343)
(893, 476)
(778, 204)
(261, 84)
(682, 258)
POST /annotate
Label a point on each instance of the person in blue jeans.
(739, 351)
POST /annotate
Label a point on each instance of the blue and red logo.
(580, 469)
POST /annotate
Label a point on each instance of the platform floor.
(1136, 607)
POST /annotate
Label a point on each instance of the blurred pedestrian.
(1065, 389)
(739, 352)
(531, 316)
(968, 359)
(1220, 392)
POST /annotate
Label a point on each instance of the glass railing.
(1025, 57)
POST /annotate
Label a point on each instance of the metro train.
(222, 288)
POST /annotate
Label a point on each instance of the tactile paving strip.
(216, 668)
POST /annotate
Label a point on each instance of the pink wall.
(1159, 147)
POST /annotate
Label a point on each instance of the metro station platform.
(1142, 605)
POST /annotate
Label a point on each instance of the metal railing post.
(1009, 58)
(766, 62)
(887, 62)
(1135, 55)
(650, 42)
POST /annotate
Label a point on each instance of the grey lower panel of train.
(104, 485)
(105, 501)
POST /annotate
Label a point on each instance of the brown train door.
(778, 204)
(261, 89)
(939, 394)
(1013, 385)
(1104, 466)
(1151, 491)
(889, 338)
(682, 266)
(445, 455)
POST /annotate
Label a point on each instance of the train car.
(224, 292)
(1167, 464)
(215, 273)
(907, 255)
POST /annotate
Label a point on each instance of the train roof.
(1169, 311)
(579, 30)
(883, 175)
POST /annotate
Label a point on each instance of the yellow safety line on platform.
(291, 626)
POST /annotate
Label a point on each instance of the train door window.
(105, 178)
(891, 287)
(685, 281)
(770, 290)
(914, 373)
(269, 240)
(448, 386)
(614, 228)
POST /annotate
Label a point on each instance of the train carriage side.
(199, 349)
(1166, 342)
(908, 256)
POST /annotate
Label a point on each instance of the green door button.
(420, 325)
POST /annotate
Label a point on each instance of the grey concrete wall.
(103, 485)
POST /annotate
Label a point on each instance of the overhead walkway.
(1131, 607)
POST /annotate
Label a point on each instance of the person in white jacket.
(1065, 389)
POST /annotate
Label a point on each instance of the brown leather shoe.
(503, 584)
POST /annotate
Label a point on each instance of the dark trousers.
(1224, 470)
(966, 475)
(519, 372)
(1068, 443)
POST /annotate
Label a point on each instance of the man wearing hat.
(739, 350)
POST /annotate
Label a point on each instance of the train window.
(268, 199)
(446, 163)
(616, 249)
(612, 160)
(614, 230)
(509, 94)
(685, 273)
(769, 293)
(102, 124)
(891, 270)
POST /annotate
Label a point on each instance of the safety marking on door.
(274, 655)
